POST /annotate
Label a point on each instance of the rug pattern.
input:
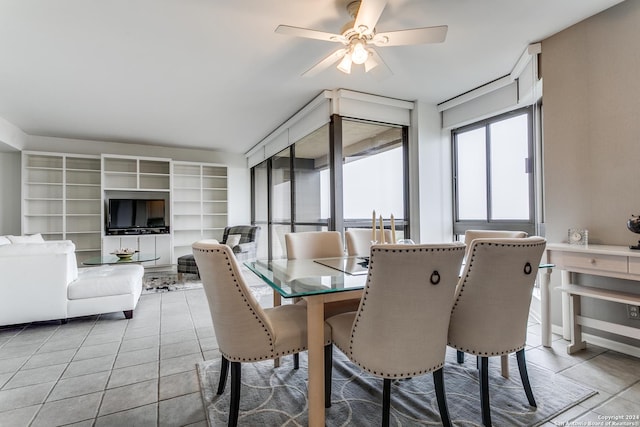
(166, 281)
(277, 397)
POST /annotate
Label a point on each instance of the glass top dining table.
(306, 277)
(318, 281)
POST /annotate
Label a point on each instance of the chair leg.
(386, 401)
(328, 371)
(438, 382)
(484, 390)
(234, 408)
(522, 366)
(296, 361)
(460, 356)
(224, 370)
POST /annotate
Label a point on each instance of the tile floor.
(106, 370)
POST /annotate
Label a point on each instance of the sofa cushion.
(34, 238)
(4, 241)
(105, 280)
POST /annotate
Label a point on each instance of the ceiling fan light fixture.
(359, 53)
(345, 64)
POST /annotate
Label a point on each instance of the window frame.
(336, 220)
(529, 225)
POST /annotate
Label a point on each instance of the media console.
(137, 231)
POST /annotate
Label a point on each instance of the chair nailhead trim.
(462, 287)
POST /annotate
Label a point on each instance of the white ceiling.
(213, 74)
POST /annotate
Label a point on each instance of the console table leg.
(566, 315)
(576, 328)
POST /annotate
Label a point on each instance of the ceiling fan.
(359, 37)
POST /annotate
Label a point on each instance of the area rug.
(167, 281)
(278, 397)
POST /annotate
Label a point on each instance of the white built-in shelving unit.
(143, 177)
(199, 204)
(136, 173)
(65, 197)
(62, 200)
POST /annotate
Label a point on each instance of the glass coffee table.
(113, 259)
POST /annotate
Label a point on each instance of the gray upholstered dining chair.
(314, 244)
(318, 244)
(491, 309)
(358, 240)
(245, 332)
(403, 316)
(470, 236)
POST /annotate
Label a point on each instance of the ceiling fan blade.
(415, 36)
(310, 34)
(381, 70)
(325, 63)
(368, 15)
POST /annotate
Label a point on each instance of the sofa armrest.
(34, 286)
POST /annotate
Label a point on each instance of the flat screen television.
(135, 215)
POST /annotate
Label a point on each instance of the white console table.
(600, 260)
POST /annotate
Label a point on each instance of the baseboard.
(604, 342)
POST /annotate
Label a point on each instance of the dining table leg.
(315, 351)
(277, 301)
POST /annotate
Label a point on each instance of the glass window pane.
(311, 169)
(281, 187)
(472, 170)
(509, 180)
(373, 172)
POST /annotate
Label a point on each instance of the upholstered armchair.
(491, 310)
(245, 331)
(242, 239)
(400, 328)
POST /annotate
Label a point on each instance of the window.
(373, 174)
(494, 174)
(331, 179)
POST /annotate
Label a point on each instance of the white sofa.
(41, 281)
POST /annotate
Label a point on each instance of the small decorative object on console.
(578, 236)
(634, 225)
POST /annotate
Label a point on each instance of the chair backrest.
(247, 233)
(471, 235)
(314, 244)
(402, 322)
(359, 240)
(493, 296)
(242, 330)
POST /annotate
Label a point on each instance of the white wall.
(431, 155)
(591, 137)
(10, 185)
(11, 137)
